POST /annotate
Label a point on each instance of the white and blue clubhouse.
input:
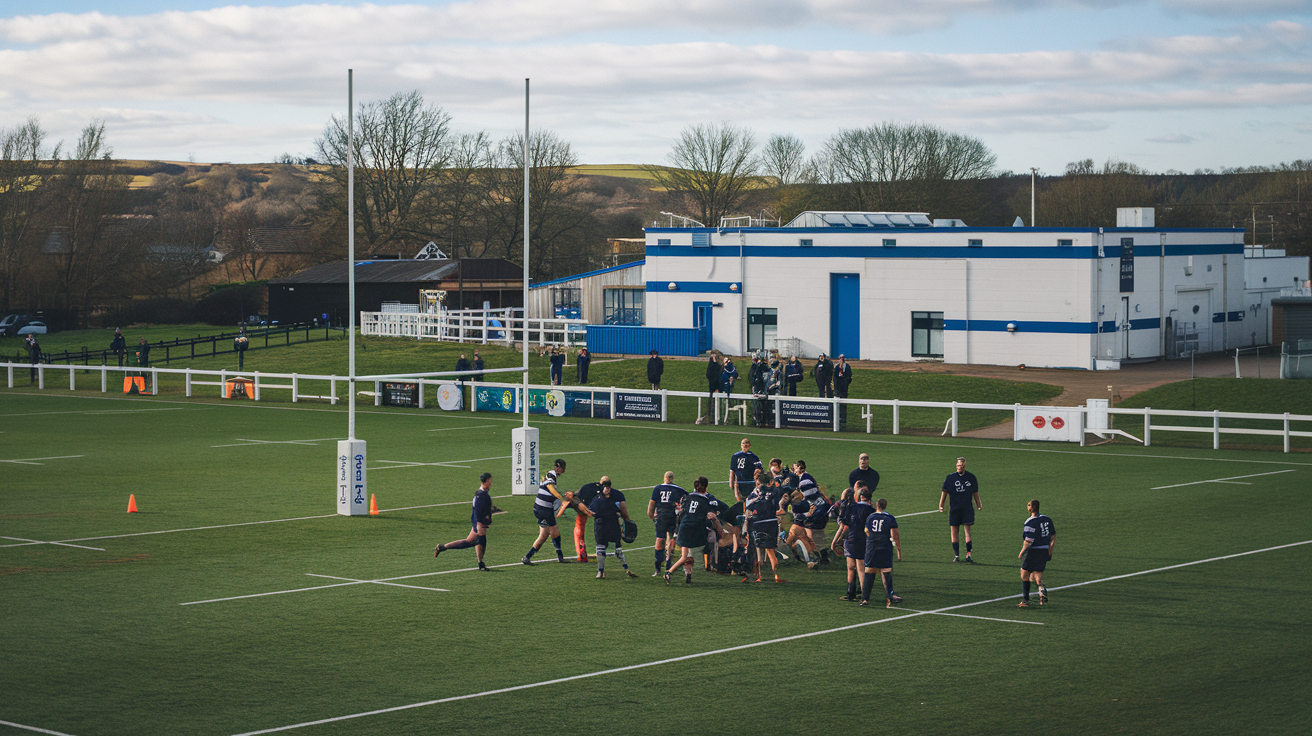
(903, 287)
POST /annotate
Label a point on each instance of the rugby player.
(881, 539)
(961, 487)
(1040, 537)
(480, 518)
(545, 505)
(607, 509)
(694, 512)
(663, 508)
(852, 530)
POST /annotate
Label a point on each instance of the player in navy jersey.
(663, 508)
(797, 537)
(780, 476)
(852, 530)
(742, 468)
(545, 505)
(480, 519)
(864, 472)
(724, 545)
(960, 489)
(582, 498)
(818, 518)
(607, 509)
(694, 512)
(881, 540)
(762, 508)
(1040, 536)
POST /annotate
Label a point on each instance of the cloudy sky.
(1165, 84)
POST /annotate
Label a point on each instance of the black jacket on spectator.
(655, 367)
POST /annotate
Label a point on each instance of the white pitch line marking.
(255, 443)
(981, 618)
(1224, 480)
(451, 429)
(378, 582)
(33, 460)
(38, 541)
(741, 647)
(104, 411)
(11, 724)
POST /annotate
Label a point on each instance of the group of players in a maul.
(739, 538)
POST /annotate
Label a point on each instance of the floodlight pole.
(1033, 176)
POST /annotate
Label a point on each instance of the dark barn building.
(468, 283)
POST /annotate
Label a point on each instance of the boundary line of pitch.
(753, 645)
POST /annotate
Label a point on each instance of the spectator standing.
(842, 380)
(462, 365)
(143, 353)
(557, 366)
(824, 375)
(792, 375)
(119, 345)
(33, 354)
(713, 374)
(581, 363)
(728, 376)
(240, 343)
(655, 367)
(478, 366)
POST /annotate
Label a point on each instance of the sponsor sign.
(1047, 424)
(1127, 265)
(638, 406)
(488, 398)
(400, 394)
(806, 414)
(524, 454)
(559, 403)
(450, 397)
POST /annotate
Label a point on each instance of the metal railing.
(481, 326)
(779, 415)
(186, 348)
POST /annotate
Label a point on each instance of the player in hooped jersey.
(480, 519)
(1040, 536)
(852, 530)
(818, 517)
(881, 539)
(694, 512)
(545, 504)
(663, 508)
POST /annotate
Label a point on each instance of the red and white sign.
(1047, 424)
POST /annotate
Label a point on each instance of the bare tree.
(1087, 196)
(25, 164)
(402, 146)
(784, 158)
(900, 166)
(712, 167)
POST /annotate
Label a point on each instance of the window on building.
(622, 306)
(567, 302)
(762, 328)
(701, 240)
(1065, 242)
(889, 242)
(662, 241)
(975, 243)
(804, 242)
(927, 334)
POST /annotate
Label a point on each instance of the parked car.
(11, 323)
(34, 327)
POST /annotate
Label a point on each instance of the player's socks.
(956, 549)
(867, 582)
(531, 551)
(555, 542)
(601, 558)
(968, 546)
(462, 544)
(1025, 589)
(619, 552)
(888, 585)
(851, 589)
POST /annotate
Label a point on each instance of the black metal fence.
(194, 347)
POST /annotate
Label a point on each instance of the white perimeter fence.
(790, 412)
(483, 326)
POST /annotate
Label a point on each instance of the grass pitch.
(98, 641)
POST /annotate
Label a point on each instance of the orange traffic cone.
(132, 503)
(373, 505)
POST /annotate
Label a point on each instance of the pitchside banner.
(450, 397)
(560, 403)
(487, 398)
(1047, 424)
(352, 484)
(637, 406)
(806, 414)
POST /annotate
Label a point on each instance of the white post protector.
(352, 482)
(524, 453)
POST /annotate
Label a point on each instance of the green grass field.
(237, 500)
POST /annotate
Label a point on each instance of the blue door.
(845, 314)
(701, 319)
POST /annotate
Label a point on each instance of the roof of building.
(579, 276)
(816, 218)
(397, 271)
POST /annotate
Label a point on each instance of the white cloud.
(1175, 138)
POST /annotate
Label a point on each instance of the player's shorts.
(960, 516)
(1035, 560)
(854, 547)
(666, 526)
(692, 535)
(607, 533)
(765, 534)
(546, 517)
(881, 558)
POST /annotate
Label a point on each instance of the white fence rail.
(742, 405)
(482, 326)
